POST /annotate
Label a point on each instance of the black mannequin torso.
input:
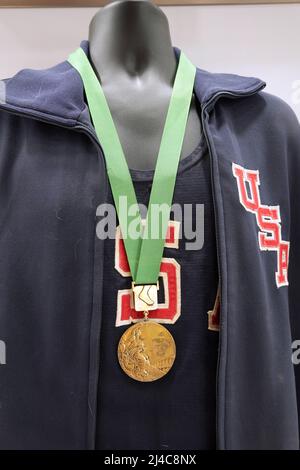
(132, 54)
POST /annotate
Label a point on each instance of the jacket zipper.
(209, 105)
(92, 429)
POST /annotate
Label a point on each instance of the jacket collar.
(56, 94)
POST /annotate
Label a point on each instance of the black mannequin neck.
(132, 54)
(131, 38)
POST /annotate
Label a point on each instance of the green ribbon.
(144, 252)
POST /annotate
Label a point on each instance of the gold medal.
(146, 351)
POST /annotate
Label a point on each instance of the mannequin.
(133, 57)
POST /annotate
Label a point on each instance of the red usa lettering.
(267, 217)
(170, 310)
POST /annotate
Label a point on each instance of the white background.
(255, 40)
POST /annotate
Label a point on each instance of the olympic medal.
(146, 351)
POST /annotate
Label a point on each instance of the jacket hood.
(57, 94)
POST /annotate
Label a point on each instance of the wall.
(259, 40)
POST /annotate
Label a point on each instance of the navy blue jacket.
(52, 178)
